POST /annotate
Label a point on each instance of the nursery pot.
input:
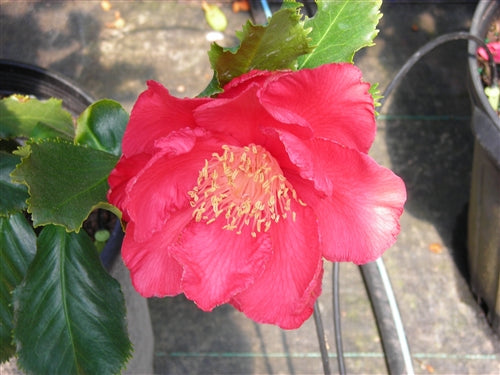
(484, 206)
(21, 78)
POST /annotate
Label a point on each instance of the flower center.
(245, 184)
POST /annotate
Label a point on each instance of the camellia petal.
(237, 117)
(285, 293)
(332, 100)
(154, 272)
(155, 114)
(244, 118)
(125, 170)
(161, 187)
(494, 48)
(219, 263)
(240, 84)
(359, 220)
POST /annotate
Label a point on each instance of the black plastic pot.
(484, 206)
(21, 78)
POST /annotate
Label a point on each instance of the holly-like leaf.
(339, 29)
(65, 181)
(22, 116)
(17, 249)
(101, 126)
(274, 46)
(69, 313)
(13, 197)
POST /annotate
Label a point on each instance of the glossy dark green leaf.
(22, 116)
(69, 313)
(13, 196)
(101, 126)
(65, 181)
(17, 249)
(339, 29)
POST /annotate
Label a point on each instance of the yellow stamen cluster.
(245, 184)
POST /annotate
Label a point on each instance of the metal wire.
(337, 325)
(336, 319)
(398, 322)
(429, 46)
(320, 331)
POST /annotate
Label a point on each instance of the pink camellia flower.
(494, 48)
(238, 199)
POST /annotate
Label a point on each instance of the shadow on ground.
(197, 333)
(427, 132)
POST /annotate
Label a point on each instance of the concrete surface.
(423, 135)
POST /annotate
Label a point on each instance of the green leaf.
(22, 116)
(339, 29)
(271, 47)
(17, 249)
(69, 313)
(65, 181)
(13, 197)
(212, 89)
(101, 126)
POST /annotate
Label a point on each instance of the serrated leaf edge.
(25, 156)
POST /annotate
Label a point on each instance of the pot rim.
(22, 78)
(484, 13)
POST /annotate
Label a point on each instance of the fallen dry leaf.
(436, 248)
(241, 6)
(426, 367)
